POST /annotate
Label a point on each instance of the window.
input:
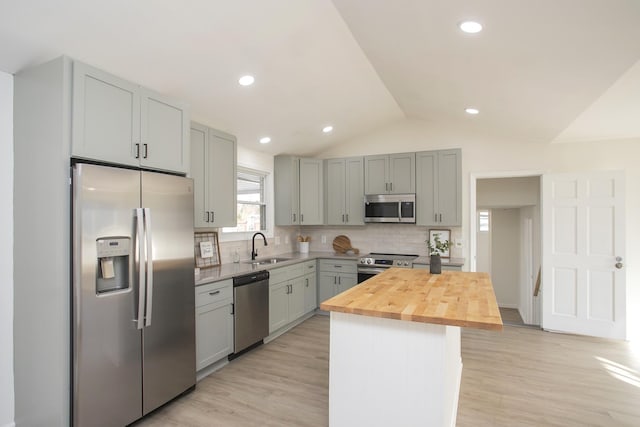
(251, 202)
(483, 220)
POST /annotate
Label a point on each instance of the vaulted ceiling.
(541, 70)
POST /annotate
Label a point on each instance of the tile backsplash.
(390, 238)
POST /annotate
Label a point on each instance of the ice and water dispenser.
(113, 255)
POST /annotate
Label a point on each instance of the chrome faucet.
(254, 253)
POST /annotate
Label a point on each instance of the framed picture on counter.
(444, 236)
(206, 250)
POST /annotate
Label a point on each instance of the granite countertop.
(425, 260)
(229, 270)
(452, 298)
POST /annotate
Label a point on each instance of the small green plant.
(437, 247)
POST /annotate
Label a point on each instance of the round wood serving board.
(342, 244)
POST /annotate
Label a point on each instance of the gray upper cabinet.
(214, 172)
(439, 188)
(311, 194)
(344, 191)
(390, 174)
(298, 185)
(120, 122)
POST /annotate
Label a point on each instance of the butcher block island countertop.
(452, 298)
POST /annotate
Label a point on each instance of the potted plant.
(436, 248)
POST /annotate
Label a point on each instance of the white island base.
(387, 372)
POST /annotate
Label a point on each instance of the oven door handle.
(367, 270)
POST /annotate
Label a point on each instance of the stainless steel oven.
(376, 263)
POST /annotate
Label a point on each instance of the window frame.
(267, 211)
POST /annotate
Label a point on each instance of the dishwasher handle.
(247, 279)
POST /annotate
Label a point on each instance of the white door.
(583, 286)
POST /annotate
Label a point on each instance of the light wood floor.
(518, 377)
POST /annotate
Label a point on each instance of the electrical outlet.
(324, 239)
(286, 239)
(277, 240)
(459, 243)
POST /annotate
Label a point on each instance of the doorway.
(505, 241)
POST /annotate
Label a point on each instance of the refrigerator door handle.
(141, 269)
(149, 262)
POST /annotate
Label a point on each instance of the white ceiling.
(542, 70)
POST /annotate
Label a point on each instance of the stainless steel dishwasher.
(251, 310)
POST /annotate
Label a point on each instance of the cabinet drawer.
(338, 265)
(282, 274)
(309, 267)
(214, 292)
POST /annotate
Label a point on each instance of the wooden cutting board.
(342, 245)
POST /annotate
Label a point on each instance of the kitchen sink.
(263, 261)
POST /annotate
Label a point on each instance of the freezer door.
(169, 361)
(107, 346)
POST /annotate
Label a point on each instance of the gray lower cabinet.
(214, 173)
(335, 276)
(289, 289)
(344, 195)
(310, 292)
(390, 174)
(439, 188)
(214, 322)
(298, 191)
(120, 122)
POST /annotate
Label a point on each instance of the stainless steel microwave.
(390, 208)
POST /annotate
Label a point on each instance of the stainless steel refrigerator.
(133, 294)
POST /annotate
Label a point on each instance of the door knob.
(619, 263)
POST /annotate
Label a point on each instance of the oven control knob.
(362, 260)
(406, 263)
(369, 260)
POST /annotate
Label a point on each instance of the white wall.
(484, 154)
(6, 250)
(505, 256)
(508, 192)
(483, 250)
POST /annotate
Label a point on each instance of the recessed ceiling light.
(246, 80)
(265, 140)
(327, 129)
(471, 110)
(470, 27)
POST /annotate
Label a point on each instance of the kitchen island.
(395, 346)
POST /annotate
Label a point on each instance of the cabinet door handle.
(309, 266)
(391, 186)
(347, 218)
(233, 308)
(207, 220)
(435, 217)
(440, 217)
(342, 217)
(339, 280)
(386, 186)
(301, 218)
(337, 266)
(137, 151)
(214, 292)
(294, 217)
(307, 280)
(335, 280)
(213, 216)
(146, 150)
